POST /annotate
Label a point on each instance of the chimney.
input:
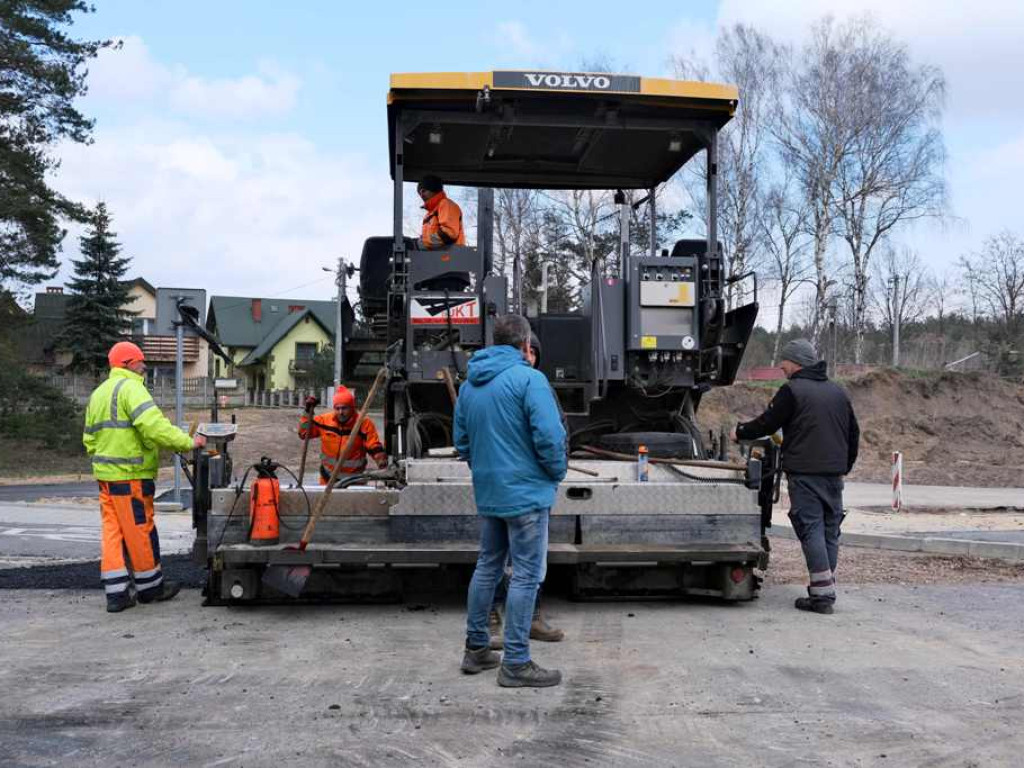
(54, 289)
(257, 310)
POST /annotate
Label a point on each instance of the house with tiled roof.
(272, 341)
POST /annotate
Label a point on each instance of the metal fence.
(199, 392)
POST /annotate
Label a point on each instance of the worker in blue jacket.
(508, 427)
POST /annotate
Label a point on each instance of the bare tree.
(814, 138)
(784, 231)
(585, 213)
(903, 287)
(995, 279)
(892, 171)
(516, 221)
(752, 61)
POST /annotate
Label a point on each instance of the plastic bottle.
(641, 464)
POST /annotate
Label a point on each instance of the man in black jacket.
(820, 441)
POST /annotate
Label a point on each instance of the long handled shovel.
(291, 579)
(305, 442)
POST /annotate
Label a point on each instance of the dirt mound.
(953, 428)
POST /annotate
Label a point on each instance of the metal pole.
(544, 287)
(653, 206)
(623, 238)
(339, 333)
(896, 321)
(179, 398)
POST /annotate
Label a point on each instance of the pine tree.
(96, 315)
(42, 73)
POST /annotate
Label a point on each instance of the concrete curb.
(931, 544)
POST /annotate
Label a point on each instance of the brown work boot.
(541, 630)
(476, 660)
(497, 636)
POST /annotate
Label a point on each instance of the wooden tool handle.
(450, 384)
(346, 449)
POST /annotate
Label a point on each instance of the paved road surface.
(36, 532)
(898, 676)
(938, 496)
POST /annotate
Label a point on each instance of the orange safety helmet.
(344, 396)
(123, 353)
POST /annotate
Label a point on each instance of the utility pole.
(339, 330)
(179, 390)
(895, 281)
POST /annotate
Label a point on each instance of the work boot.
(541, 630)
(527, 675)
(497, 636)
(119, 601)
(476, 660)
(814, 606)
(166, 591)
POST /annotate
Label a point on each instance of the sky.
(242, 146)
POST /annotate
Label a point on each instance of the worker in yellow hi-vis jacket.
(124, 432)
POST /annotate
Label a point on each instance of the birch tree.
(892, 171)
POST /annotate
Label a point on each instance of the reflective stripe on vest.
(328, 461)
(118, 460)
(141, 409)
(114, 422)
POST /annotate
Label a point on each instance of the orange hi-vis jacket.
(442, 225)
(332, 435)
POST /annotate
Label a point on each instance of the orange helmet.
(344, 396)
(123, 353)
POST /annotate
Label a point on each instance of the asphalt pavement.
(898, 676)
(37, 533)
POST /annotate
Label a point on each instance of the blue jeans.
(524, 538)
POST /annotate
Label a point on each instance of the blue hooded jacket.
(507, 426)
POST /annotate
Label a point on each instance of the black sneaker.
(120, 601)
(476, 660)
(814, 606)
(527, 675)
(166, 591)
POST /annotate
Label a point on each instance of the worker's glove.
(311, 403)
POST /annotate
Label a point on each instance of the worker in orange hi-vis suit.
(442, 224)
(333, 427)
(124, 432)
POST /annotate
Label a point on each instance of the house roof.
(51, 306)
(144, 283)
(231, 317)
(279, 331)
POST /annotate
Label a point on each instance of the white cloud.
(978, 48)
(517, 43)
(131, 76)
(227, 213)
(692, 40)
(978, 45)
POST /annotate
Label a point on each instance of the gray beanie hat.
(799, 351)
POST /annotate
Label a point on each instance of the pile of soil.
(953, 428)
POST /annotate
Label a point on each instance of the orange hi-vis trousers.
(131, 547)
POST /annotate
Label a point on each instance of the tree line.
(835, 149)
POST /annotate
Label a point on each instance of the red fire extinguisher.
(265, 504)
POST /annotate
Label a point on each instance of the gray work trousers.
(816, 512)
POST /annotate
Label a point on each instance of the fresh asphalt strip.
(86, 575)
